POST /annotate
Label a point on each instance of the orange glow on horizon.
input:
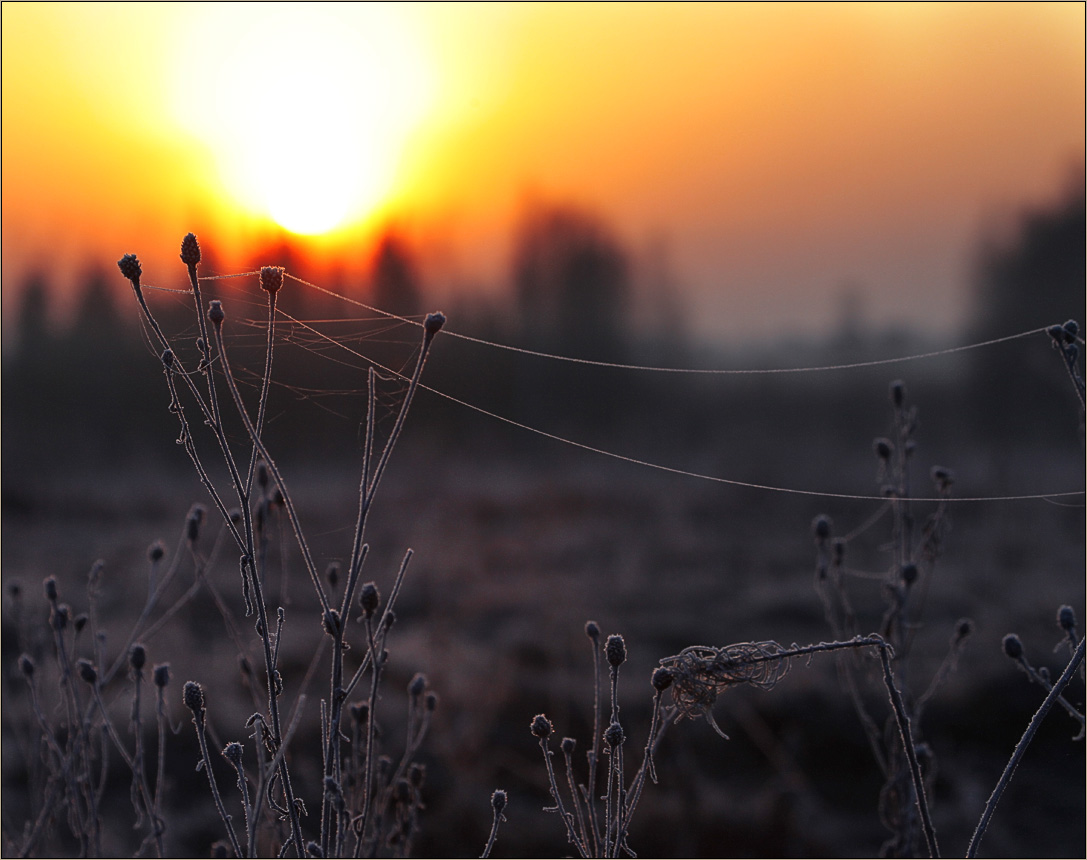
(782, 148)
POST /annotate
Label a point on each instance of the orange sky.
(777, 151)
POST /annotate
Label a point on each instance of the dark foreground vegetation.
(517, 541)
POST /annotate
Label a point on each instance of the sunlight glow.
(306, 110)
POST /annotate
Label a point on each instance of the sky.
(767, 158)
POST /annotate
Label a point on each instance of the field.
(520, 540)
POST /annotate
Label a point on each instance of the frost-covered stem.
(1021, 748)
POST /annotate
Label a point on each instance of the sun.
(305, 109)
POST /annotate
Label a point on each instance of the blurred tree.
(395, 276)
(1036, 279)
(572, 281)
(33, 332)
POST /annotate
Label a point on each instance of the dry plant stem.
(1021, 748)
(615, 787)
(337, 694)
(157, 825)
(594, 755)
(265, 385)
(498, 817)
(1037, 678)
(349, 689)
(273, 470)
(573, 793)
(368, 763)
(198, 721)
(635, 793)
(567, 818)
(258, 591)
(902, 717)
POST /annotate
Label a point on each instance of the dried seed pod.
(190, 250)
(498, 801)
(215, 312)
(662, 678)
(1013, 646)
(1066, 618)
(614, 735)
(161, 675)
(130, 268)
(271, 278)
(592, 630)
(369, 598)
(615, 650)
(541, 726)
(87, 671)
(137, 656)
(193, 696)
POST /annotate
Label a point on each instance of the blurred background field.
(745, 207)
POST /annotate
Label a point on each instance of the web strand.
(689, 370)
(670, 469)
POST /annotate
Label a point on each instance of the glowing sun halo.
(307, 111)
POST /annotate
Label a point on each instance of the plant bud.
(215, 312)
(1066, 618)
(130, 268)
(592, 630)
(568, 746)
(87, 671)
(541, 726)
(26, 665)
(190, 250)
(614, 735)
(271, 278)
(161, 675)
(232, 752)
(1013, 646)
(137, 656)
(433, 324)
(417, 685)
(820, 527)
(615, 650)
(662, 679)
(498, 801)
(193, 696)
(369, 599)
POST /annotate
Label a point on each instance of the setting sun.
(305, 116)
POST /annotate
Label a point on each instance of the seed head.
(369, 598)
(417, 685)
(161, 675)
(1066, 618)
(331, 622)
(271, 279)
(541, 726)
(59, 616)
(190, 250)
(80, 622)
(1071, 329)
(963, 629)
(360, 712)
(332, 574)
(433, 324)
(215, 312)
(87, 671)
(431, 702)
(167, 358)
(568, 746)
(50, 586)
(498, 801)
(193, 696)
(883, 448)
(232, 752)
(898, 393)
(156, 551)
(130, 268)
(26, 665)
(613, 735)
(192, 524)
(615, 650)
(820, 527)
(592, 630)
(662, 679)
(942, 478)
(1013, 646)
(137, 657)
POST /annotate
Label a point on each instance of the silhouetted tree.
(572, 281)
(395, 277)
(1036, 280)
